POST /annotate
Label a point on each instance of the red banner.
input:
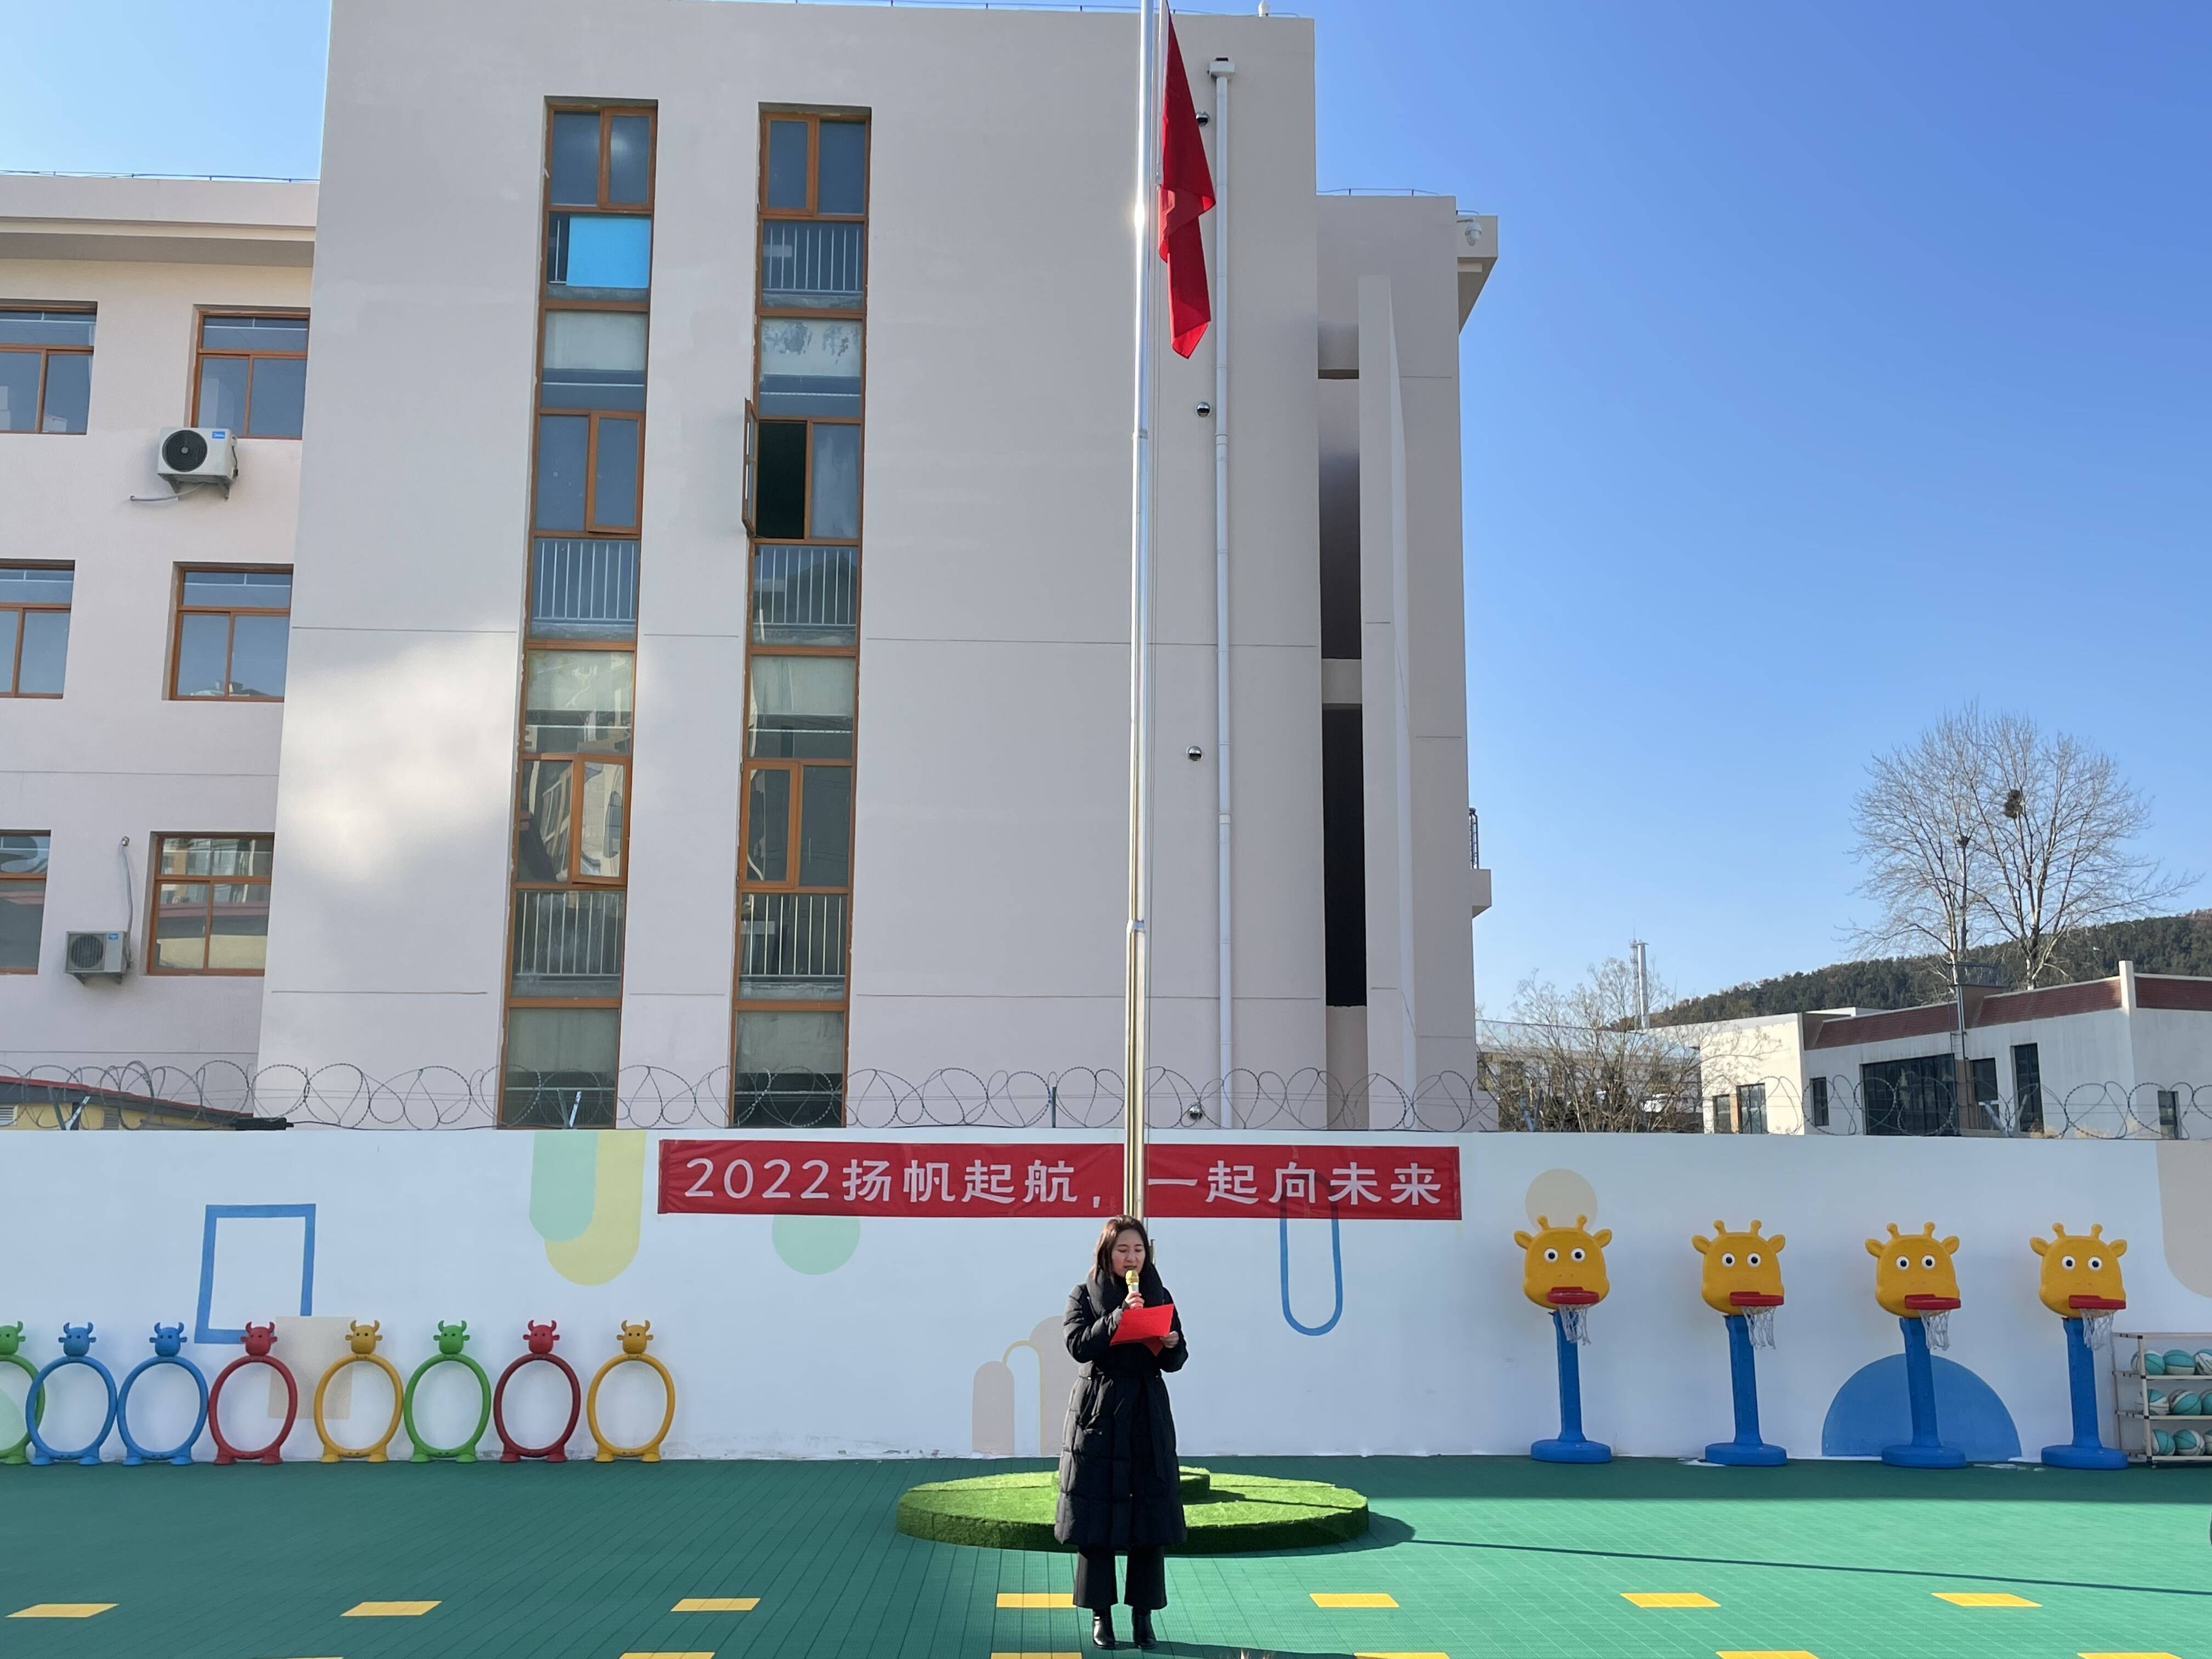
(1354, 1183)
(891, 1178)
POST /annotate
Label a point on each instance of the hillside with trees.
(2156, 944)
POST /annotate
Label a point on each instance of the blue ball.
(2179, 1362)
(2154, 1363)
(2157, 1403)
(2187, 1405)
(2204, 1361)
(2188, 1443)
(2161, 1443)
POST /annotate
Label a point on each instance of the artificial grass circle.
(1226, 1513)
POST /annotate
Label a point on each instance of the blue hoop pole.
(2088, 1449)
(181, 1454)
(1747, 1450)
(1572, 1446)
(1926, 1449)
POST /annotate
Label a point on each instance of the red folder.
(1146, 1324)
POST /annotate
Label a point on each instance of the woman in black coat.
(1121, 1490)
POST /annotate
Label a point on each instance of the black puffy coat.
(1119, 1486)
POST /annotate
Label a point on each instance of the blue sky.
(1840, 364)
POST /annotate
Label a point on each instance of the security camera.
(1194, 1113)
(1204, 408)
(1193, 753)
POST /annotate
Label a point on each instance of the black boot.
(1140, 1622)
(1102, 1628)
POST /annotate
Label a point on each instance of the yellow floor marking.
(63, 1610)
(1037, 1599)
(1668, 1599)
(1352, 1599)
(388, 1610)
(1984, 1599)
(716, 1604)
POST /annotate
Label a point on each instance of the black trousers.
(1147, 1585)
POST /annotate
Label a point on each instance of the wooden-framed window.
(22, 897)
(46, 367)
(34, 628)
(232, 635)
(210, 908)
(802, 491)
(570, 851)
(250, 372)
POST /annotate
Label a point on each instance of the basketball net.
(1938, 1328)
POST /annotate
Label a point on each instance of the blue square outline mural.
(218, 1214)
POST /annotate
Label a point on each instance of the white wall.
(874, 1351)
(113, 756)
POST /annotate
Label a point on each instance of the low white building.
(513, 731)
(2128, 1055)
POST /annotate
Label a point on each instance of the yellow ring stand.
(634, 1339)
(363, 1339)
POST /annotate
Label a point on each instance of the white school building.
(667, 638)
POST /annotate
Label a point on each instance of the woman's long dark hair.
(1107, 1237)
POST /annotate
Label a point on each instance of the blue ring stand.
(89, 1455)
(181, 1454)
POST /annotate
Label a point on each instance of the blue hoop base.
(2084, 1457)
(34, 1407)
(181, 1453)
(1741, 1454)
(1923, 1457)
(1570, 1451)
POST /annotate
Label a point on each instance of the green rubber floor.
(1481, 1557)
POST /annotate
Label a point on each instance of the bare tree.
(1915, 825)
(1984, 819)
(1574, 1059)
(2058, 818)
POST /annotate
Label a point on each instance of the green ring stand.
(14, 1451)
(450, 1338)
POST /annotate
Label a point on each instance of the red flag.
(1186, 192)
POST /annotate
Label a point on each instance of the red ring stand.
(555, 1450)
(271, 1453)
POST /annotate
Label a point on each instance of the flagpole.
(1136, 970)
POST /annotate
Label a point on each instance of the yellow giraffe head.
(1564, 1267)
(362, 1339)
(1743, 1271)
(635, 1337)
(2081, 1271)
(1913, 1272)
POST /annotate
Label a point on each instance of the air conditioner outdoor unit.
(97, 956)
(198, 455)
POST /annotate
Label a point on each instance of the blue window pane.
(837, 492)
(614, 483)
(262, 590)
(575, 181)
(45, 328)
(258, 648)
(202, 656)
(223, 392)
(280, 397)
(45, 652)
(600, 252)
(27, 584)
(254, 333)
(563, 452)
(19, 391)
(630, 160)
(786, 165)
(842, 184)
(69, 391)
(809, 367)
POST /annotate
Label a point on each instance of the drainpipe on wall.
(1221, 68)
